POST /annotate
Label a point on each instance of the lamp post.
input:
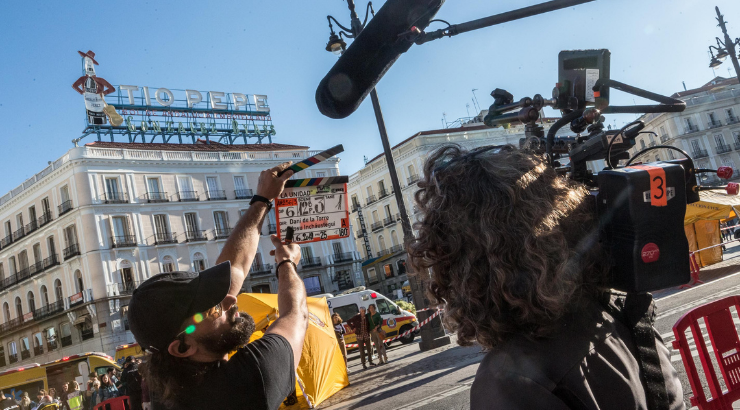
(433, 335)
(724, 49)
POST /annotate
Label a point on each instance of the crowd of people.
(99, 389)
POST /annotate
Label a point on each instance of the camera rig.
(641, 207)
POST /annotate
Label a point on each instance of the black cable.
(611, 142)
(550, 140)
(440, 20)
(660, 147)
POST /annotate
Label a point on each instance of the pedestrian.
(63, 397)
(131, 383)
(107, 389)
(111, 372)
(339, 333)
(377, 334)
(75, 396)
(359, 324)
(515, 258)
(94, 389)
(188, 323)
(8, 403)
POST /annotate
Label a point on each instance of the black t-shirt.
(9, 404)
(259, 376)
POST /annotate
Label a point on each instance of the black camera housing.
(578, 71)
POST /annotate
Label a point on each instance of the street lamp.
(432, 336)
(724, 49)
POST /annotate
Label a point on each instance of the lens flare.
(190, 329)
(197, 318)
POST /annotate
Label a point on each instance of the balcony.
(260, 269)
(376, 226)
(44, 219)
(114, 198)
(413, 179)
(71, 251)
(127, 287)
(714, 124)
(49, 310)
(396, 249)
(66, 340)
(699, 153)
(195, 236)
(383, 193)
(344, 257)
(30, 227)
(243, 193)
(216, 195)
(165, 237)
(272, 229)
(65, 207)
(223, 233)
(37, 267)
(87, 334)
(52, 260)
(690, 129)
(10, 325)
(723, 149)
(23, 274)
(310, 262)
(732, 120)
(383, 252)
(6, 241)
(153, 197)
(188, 196)
(125, 241)
(355, 207)
(371, 199)
(389, 221)
(12, 358)
(37, 350)
(25, 354)
(20, 233)
(664, 138)
(359, 234)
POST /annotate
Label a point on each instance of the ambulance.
(33, 377)
(124, 351)
(395, 319)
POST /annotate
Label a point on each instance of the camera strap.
(637, 311)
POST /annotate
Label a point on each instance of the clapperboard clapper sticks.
(322, 156)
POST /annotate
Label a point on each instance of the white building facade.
(708, 130)
(81, 235)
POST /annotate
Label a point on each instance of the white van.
(395, 319)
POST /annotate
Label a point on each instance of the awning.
(80, 320)
(713, 205)
(378, 259)
(369, 261)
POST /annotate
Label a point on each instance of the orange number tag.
(658, 195)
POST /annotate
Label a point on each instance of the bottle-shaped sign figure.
(94, 89)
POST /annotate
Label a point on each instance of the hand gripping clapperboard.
(316, 209)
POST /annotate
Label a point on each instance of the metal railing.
(652, 144)
(6, 241)
(31, 226)
(10, 325)
(700, 153)
(157, 197)
(188, 196)
(714, 124)
(414, 178)
(165, 237)
(127, 288)
(65, 207)
(383, 193)
(25, 354)
(52, 260)
(114, 198)
(272, 229)
(396, 249)
(355, 207)
(216, 195)
(222, 233)
(193, 236)
(724, 148)
(389, 221)
(19, 234)
(37, 350)
(732, 120)
(344, 257)
(66, 340)
(87, 334)
(243, 193)
(70, 251)
(664, 138)
(12, 358)
(376, 225)
(371, 199)
(310, 262)
(48, 310)
(44, 219)
(359, 234)
(258, 268)
(690, 129)
(123, 241)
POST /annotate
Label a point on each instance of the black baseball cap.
(161, 304)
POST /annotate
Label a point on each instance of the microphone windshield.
(372, 53)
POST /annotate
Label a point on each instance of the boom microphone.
(372, 53)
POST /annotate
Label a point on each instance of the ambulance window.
(346, 312)
(384, 308)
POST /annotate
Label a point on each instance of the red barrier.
(117, 403)
(726, 344)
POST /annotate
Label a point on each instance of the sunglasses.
(212, 313)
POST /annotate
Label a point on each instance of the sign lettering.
(316, 213)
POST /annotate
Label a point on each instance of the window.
(642, 144)
(689, 123)
(337, 247)
(347, 312)
(199, 262)
(387, 211)
(8, 229)
(18, 307)
(12, 266)
(12, 352)
(719, 139)
(401, 266)
(23, 260)
(32, 214)
(306, 254)
(31, 302)
(168, 264)
(412, 171)
(25, 348)
(695, 146)
(394, 238)
(375, 217)
(50, 245)
(212, 183)
(372, 276)
(120, 228)
(313, 285)
(662, 131)
(19, 221)
(369, 192)
(111, 188)
(37, 258)
(384, 307)
(79, 285)
(191, 223)
(58, 290)
(381, 243)
(2, 272)
(44, 296)
(66, 332)
(51, 338)
(161, 226)
(6, 312)
(652, 138)
(152, 184)
(381, 187)
(221, 221)
(46, 207)
(730, 114)
(264, 288)
(38, 344)
(712, 119)
(186, 188)
(355, 202)
(2, 356)
(388, 269)
(70, 236)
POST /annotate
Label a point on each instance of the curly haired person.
(513, 250)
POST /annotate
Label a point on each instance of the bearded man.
(188, 323)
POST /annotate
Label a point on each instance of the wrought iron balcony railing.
(48, 310)
(724, 148)
(414, 178)
(310, 262)
(6, 241)
(700, 153)
(114, 198)
(690, 129)
(359, 234)
(31, 226)
(65, 207)
(123, 241)
(194, 236)
(389, 221)
(355, 207)
(44, 219)
(664, 138)
(188, 196)
(732, 120)
(52, 260)
(25, 354)
(383, 193)
(165, 237)
(376, 226)
(396, 248)
(344, 257)
(260, 269)
(223, 233)
(216, 195)
(371, 199)
(71, 251)
(714, 124)
(21, 232)
(243, 193)
(157, 197)
(87, 334)
(12, 358)
(66, 341)
(127, 288)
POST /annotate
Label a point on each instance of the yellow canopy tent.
(701, 223)
(321, 370)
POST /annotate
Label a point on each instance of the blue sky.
(277, 48)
